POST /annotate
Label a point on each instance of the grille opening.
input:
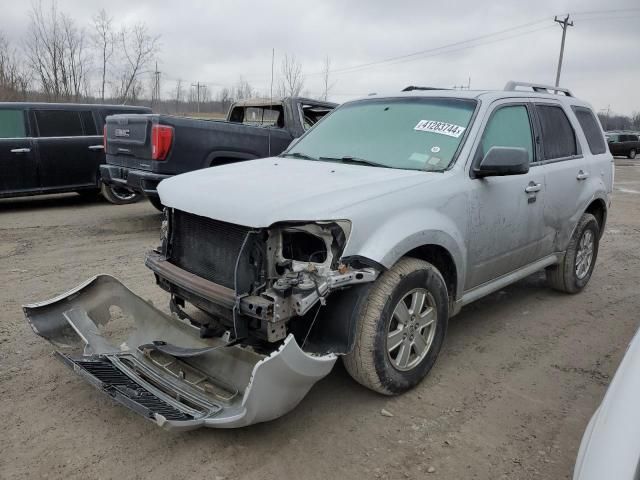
(162, 388)
(118, 327)
(116, 381)
(205, 247)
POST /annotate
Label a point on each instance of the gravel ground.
(520, 374)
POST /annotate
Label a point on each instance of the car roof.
(73, 106)
(484, 95)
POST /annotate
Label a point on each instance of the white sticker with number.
(442, 128)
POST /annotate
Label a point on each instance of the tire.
(632, 153)
(370, 363)
(571, 275)
(119, 195)
(155, 201)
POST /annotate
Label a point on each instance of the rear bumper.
(213, 385)
(137, 180)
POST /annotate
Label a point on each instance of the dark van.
(56, 148)
(625, 144)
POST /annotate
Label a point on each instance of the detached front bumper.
(161, 368)
(137, 180)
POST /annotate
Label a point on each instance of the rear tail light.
(104, 138)
(161, 138)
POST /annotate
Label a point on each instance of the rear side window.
(58, 123)
(12, 124)
(508, 127)
(558, 138)
(88, 123)
(591, 129)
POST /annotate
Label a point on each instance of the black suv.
(623, 143)
(56, 148)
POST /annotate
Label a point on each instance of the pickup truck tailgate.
(128, 140)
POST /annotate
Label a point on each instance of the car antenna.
(273, 54)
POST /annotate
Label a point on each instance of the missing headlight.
(303, 246)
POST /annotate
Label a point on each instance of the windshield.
(407, 133)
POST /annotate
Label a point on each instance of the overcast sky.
(217, 42)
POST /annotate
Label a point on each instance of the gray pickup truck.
(143, 150)
(360, 241)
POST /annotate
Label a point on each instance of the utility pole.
(155, 94)
(564, 24)
(197, 86)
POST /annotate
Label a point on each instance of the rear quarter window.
(558, 138)
(591, 129)
(12, 124)
(58, 123)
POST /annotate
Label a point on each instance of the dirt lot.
(520, 374)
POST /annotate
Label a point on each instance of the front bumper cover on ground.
(220, 385)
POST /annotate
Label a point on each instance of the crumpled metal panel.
(260, 387)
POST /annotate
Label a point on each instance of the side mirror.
(501, 161)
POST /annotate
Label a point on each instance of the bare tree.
(139, 49)
(55, 50)
(292, 80)
(225, 98)
(104, 41)
(635, 120)
(243, 90)
(14, 81)
(326, 84)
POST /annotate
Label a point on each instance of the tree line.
(58, 60)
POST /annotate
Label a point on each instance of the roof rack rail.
(411, 88)
(512, 86)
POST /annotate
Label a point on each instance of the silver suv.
(360, 241)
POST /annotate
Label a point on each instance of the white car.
(610, 447)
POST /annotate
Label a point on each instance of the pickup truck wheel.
(119, 195)
(573, 273)
(401, 329)
(632, 153)
(155, 201)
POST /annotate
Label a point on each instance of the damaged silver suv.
(360, 242)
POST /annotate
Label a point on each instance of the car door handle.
(96, 147)
(582, 175)
(20, 150)
(533, 187)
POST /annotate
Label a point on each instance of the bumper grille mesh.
(205, 247)
(114, 379)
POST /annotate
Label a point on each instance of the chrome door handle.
(96, 147)
(582, 175)
(20, 150)
(533, 187)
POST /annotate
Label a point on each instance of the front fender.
(389, 241)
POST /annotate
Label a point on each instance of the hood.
(259, 193)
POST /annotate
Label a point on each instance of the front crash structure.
(162, 368)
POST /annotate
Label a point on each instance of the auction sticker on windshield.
(442, 128)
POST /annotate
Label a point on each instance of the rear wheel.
(573, 273)
(119, 195)
(632, 153)
(155, 201)
(401, 330)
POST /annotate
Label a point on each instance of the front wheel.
(632, 153)
(119, 195)
(401, 329)
(573, 273)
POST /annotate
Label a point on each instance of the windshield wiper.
(298, 155)
(350, 159)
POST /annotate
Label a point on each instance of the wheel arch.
(441, 258)
(222, 157)
(598, 208)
